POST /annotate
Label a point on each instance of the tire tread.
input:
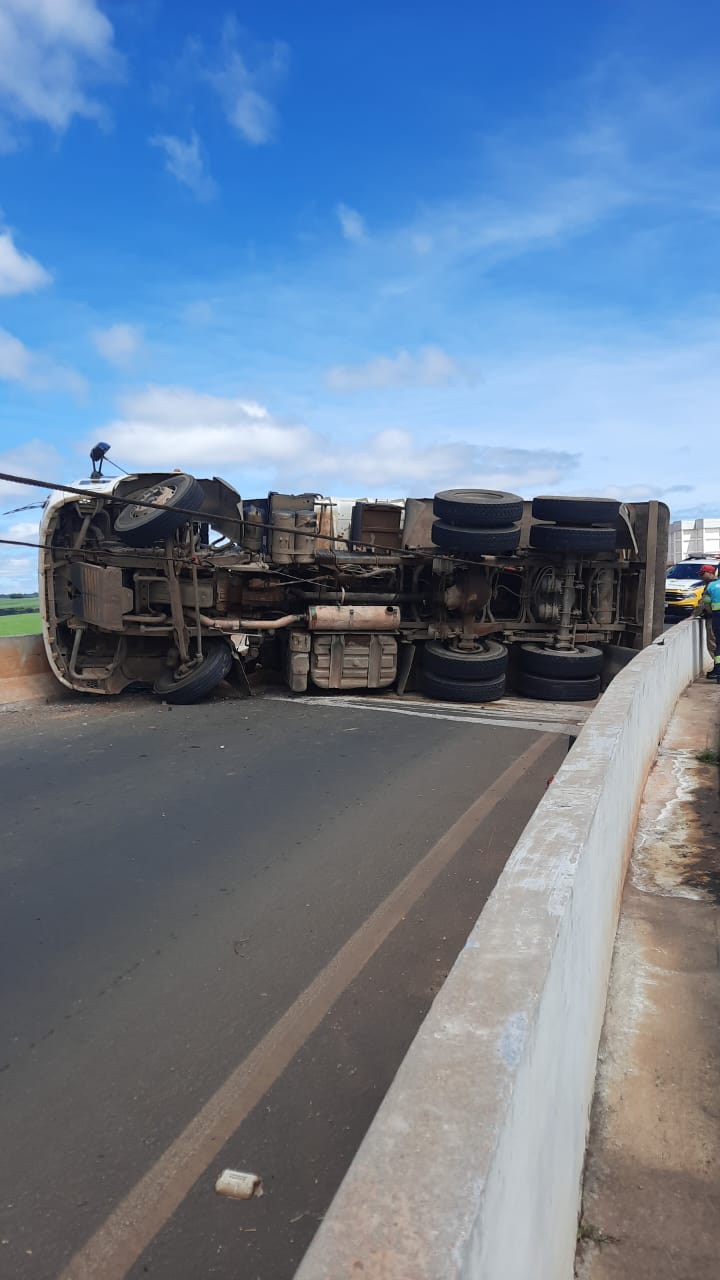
(476, 541)
(577, 511)
(478, 508)
(462, 690)
(555, 690)
(571, 538)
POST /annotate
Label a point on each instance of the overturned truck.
(177, 583)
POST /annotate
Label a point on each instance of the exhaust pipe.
(353, 617)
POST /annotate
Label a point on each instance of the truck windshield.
(685, 571)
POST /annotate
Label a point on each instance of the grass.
(21, 604)
(708, 756)
(588, 1231)
(20, 624)
(19, 616)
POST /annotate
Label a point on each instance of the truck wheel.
(576, 510)
(532, 686)
(216, 663)
(461, 664)
(141, 526)
(478, 508)
(462, 690)
(481, 542)
(570, 664)
(556, 537)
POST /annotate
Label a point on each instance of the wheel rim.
(456, 652)
(160, 495)
(187, 668)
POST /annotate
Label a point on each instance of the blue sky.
(365, 248)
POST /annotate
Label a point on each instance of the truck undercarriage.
(174, 582)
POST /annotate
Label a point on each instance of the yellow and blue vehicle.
(684, 587)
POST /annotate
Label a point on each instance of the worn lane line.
(568, 727)
(507, 704)
(124, 1235)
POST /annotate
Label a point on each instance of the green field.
(21, 624)
(23, 618)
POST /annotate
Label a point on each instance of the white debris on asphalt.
(240, 1186)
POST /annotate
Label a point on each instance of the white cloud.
(25, 531)
(119, 343)
(642, 492)
(176, 426)
(186, 162)
(544, 212)
(632, 492)
(246, 83)
(566, 208)
(51, 53)
(35, 458)
(179, 427)
(18, 574)
(432, 368)
(396, 458)
(198, 313)
(629, 146)
(16, 360)
(252, 115)
(352, 223)
(34, 370)
(19, 273)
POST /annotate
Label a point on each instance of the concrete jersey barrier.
(25, 674)
(472, 1167)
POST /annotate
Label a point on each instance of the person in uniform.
(710, 607)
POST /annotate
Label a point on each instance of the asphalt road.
(210, 957)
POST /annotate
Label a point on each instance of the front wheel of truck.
(200, 680)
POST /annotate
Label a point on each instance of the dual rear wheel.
(559, 675)
(580, 525)
(479, 521)
(464, 675)
(479, 675)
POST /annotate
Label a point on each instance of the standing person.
(707, 574)
(710, 605)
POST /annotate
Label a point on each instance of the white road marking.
(464, 713)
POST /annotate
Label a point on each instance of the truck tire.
(458, 664)
(142, 526)
(571, 664)
(576, 510)
(462, 690)
(557, 537)
(478, 508)
(532, 686)
(216, 663)
(481, 542)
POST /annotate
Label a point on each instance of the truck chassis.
(169, 581)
